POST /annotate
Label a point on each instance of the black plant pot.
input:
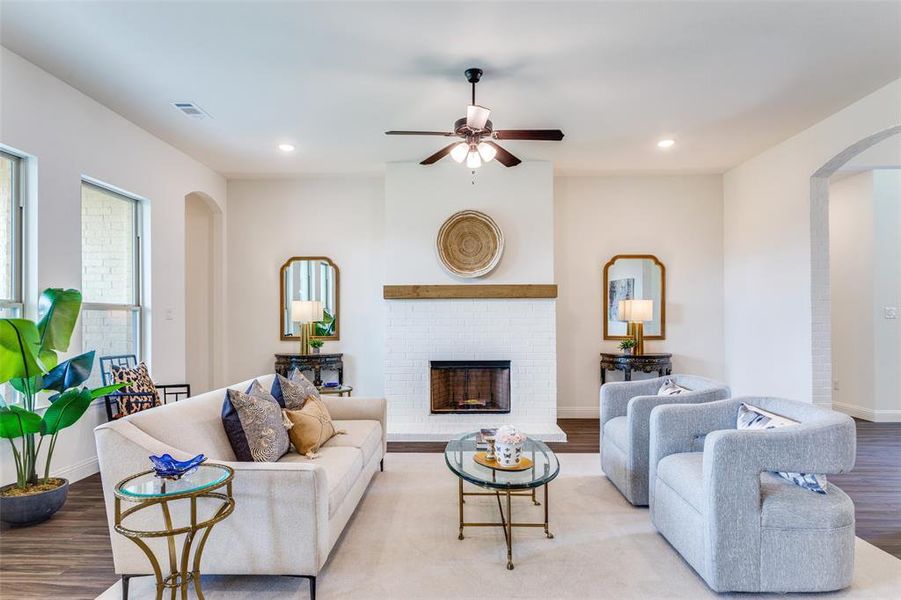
(35, 508)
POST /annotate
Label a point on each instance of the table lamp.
(305, 313)
(636, 312)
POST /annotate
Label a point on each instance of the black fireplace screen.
(462, 386)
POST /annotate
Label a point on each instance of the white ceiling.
(725, 79)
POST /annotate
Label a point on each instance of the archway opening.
(821, 289)
(203, 268)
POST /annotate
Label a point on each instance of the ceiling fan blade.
(439, 155)
(550, 135)
(444, 133)
(502, 156)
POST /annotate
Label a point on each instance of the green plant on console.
(316, 343)
(325, 327)
(29, 363)
(628, 344)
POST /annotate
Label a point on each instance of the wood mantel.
(472, 291)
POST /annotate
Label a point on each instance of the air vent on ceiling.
(192, 110)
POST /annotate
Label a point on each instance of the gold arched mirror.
(634, 277)
(309, 278)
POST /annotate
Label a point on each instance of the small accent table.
(147, 490)
(315, 363)
(341, 390)
(645, 363)
(460, 458)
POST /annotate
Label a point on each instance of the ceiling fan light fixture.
(486, 151)
(459, 152)
(473, 160)
(476, 116)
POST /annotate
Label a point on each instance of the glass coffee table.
(145, 490)
(460, 456)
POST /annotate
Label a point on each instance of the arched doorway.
(820, 293)
(203, 268)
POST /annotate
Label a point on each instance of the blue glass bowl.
(331, 384)
(167, 467)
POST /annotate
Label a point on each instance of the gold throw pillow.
(312, 427)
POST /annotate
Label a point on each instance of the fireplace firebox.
(465, 386)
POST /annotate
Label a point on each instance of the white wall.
(270, 221)
(767, 247)
(418, 200)
(851, 251)
(200, 294)
(73, 136)
(887, 293)
(676, 218)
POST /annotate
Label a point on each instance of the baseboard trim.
(578, 412)
(868, 414)
(79, 470)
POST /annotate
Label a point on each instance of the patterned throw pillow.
(312, 427)
(300, 379)
(255, 425)
(292, 393)
(671, 388)
(139, 382)
(754, 418)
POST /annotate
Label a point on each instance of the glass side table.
(340, 390)
(146, 490)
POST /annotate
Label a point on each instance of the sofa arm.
(615, 396)
(360, 409)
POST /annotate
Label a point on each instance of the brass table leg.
(546, 531)
(460, 537)
(509, 533)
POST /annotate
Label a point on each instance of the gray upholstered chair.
(625, 413)
(739, 525)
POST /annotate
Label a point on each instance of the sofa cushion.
(684, 474)
(365, 435)
(671, 388)
(292, 392)
(785, 505)
(342, 466)
(617, 430)
(261, 434)
(312, 427)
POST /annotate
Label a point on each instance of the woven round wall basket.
(470, 244)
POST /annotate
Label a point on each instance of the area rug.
(402, 543)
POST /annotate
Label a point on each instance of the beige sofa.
(288, 515)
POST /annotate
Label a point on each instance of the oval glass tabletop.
(147, 486)
(459, 456)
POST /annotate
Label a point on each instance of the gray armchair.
(739, 525)
(625, 414)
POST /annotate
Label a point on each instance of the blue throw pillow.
(753, 418)
(267, 438)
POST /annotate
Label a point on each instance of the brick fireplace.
(464, 386)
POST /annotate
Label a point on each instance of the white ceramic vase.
(508, 455)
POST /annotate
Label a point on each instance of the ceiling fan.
(478, 135)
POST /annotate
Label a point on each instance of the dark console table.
(314, 363)
(645, 363)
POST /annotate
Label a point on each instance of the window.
(11, 246)
(111, 318)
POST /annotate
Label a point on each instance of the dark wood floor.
(69, 556)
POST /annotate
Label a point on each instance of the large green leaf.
(59, 310)
(106, 390)
(70, 373)
(34, 383)
(19, 343)
(66, 410)
(16, 421)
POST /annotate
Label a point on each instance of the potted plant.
(628, 346)
(29, 363)
(315, 345)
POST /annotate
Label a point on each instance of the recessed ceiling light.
(666, 143)
(286, 147)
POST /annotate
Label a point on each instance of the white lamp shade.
(636, 310)
(459, 152)
(477, 116)
(473, 160)
(306, 311)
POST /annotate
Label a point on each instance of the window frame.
(136, 307)
(17, 232)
